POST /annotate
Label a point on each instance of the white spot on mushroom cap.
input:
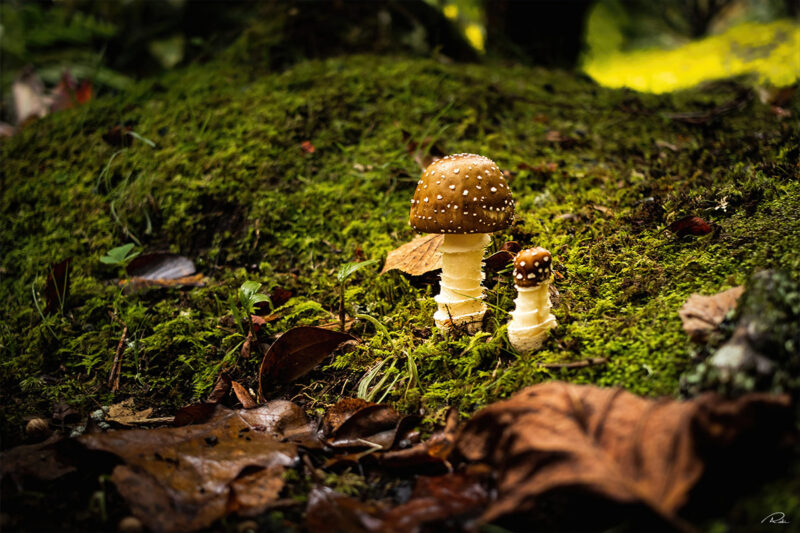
(439, 197)
(522, 263)
(456, 170)
(519, 276)
(530, 276)
(452, 187)
(466, 192)
(493, 189)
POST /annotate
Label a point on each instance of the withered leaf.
(242, 395)
(34, 461)
(56, 290)
(498, 260)
(416, 257)
(196, 413)
(221, 388)
(430, 454)
(357, 423)
(607, 448)
(702, 314)
(161, 270)
(124, 414)
(452, 497)
(160, 266)
(182, 479)
(691, 225)
(308, 147)
(296, 353)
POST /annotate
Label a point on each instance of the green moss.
(229, 185)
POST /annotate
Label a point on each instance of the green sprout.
(345, 271)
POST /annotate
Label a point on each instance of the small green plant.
(121, 255)
(249, 297)
(345, 271)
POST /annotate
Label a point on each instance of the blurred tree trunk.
(542, 32)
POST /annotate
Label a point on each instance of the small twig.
(116, 368)
(578, 364)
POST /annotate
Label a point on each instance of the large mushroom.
(531, 318)
(465, 197)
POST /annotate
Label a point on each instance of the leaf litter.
(185, 478)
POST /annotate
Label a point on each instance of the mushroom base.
(460, 300)
(531, 318)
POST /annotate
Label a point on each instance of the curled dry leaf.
(691, 225)
(161, 270)
(431, 454)
(296, 353)
(557, 447)
(416, 257)
(357, 423)
(183, 479)
(242, 395)
(703, 314)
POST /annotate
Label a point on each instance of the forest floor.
(281, 178)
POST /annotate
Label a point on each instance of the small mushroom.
(465, 197)
(531, 318)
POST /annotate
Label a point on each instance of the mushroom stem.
(531, 318)
(460, 299)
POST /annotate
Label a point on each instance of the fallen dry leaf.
(307, 147)
(221, 388)
(56, 290)
(357, 423)
(39, 461)
(125, 414)
(430, 454)
(416, 257)
(440, 503)
(161, 270)
(242, 395)
(296, 353)
(160, 266)
(609, 452)
(690, 225)
(183, 479)
(703, 314)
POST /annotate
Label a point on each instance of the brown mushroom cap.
(532, 267)
(462, 193)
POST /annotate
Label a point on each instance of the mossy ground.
(229, 185)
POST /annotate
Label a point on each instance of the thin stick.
(578, 364)
(116, 368)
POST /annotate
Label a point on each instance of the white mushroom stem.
(460, 299)
(531, 318)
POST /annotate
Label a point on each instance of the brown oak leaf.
(416, 257)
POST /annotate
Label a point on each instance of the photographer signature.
(775, 518)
